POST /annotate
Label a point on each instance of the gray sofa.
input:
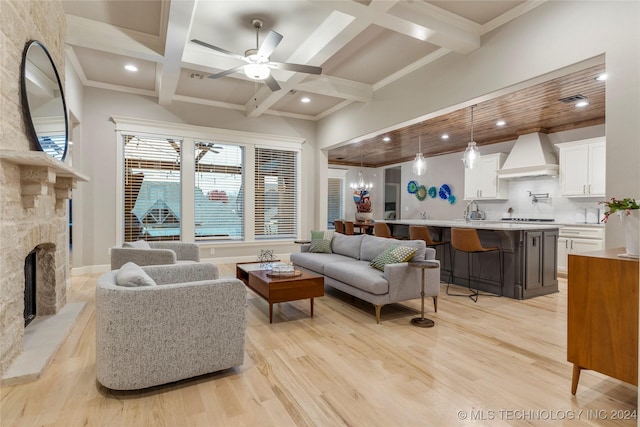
(142, 252)
(348, 270)
(188, 323)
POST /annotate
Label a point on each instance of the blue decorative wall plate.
(412, 187)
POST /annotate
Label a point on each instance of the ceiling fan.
(258, 66)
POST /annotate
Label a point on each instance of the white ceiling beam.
(336, 87)
(418, 20)
(178, 29)
(100, 36)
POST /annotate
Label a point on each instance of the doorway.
(392, 182)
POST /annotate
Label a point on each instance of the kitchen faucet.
(467, 213)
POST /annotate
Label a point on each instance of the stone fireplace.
(33, 197)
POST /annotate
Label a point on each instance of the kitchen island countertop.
(479, 224)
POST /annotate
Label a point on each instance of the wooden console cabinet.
(602, 317)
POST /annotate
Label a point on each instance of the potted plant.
(629, 212)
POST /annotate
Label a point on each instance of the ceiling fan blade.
(272, 83)
(226, 72)
(219, 49)
(269, 44)
(309, 69)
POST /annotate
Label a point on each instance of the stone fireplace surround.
(33, 198)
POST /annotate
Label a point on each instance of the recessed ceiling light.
(305, 99)
(444, 136)
(582, 104)
(131, 67)
(601, 77)
(386, 139)
(501, 123)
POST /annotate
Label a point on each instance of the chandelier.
(361, 184)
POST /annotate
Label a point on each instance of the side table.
(422, 321)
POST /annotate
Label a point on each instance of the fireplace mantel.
(39, 172)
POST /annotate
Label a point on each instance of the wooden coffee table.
(281, 289)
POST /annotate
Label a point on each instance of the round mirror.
(43, 102)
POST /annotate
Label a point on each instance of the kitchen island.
(530, 255)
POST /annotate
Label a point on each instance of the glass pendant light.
(420, 163)
(471, 154)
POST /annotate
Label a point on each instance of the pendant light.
(420, 163)
(471, 154)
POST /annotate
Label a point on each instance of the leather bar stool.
(421, 232)
(467, 240)
(339, 225)
(381, 229)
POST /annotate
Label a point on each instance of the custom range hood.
(532, 155)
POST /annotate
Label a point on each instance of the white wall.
(548, 38)
(98, 161)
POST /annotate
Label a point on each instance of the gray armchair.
(188, 323)
(154, 253)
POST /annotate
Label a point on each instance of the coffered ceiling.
(361, 46)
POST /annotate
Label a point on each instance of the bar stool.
(467, 240)
(421, 232)
(339, 225)
(381, 229)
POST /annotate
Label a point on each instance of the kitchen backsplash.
(562, 209)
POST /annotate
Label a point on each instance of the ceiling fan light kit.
(258, 66)
(471, 154)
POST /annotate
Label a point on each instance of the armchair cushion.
(132, 275)
(138, 244)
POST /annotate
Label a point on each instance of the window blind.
(335, 198)
(218, 200)
(151, 188)
(276, 192)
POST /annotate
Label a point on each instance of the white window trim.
(188, 133)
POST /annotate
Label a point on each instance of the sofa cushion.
(316, 262)
(359, 275)
(138, 244)
(346, 245)
(132, 275)
(321, 241)
(393, 255)
(373, 246)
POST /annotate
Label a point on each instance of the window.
(218, 204)
(276, 180)
(151, 188)
(194, 183)
(334, 203)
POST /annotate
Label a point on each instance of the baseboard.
(90, 269)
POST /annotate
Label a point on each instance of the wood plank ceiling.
(538, 108)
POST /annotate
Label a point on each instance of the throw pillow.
(139, 244)
(321, 242)
(132, 275)
(392, 255)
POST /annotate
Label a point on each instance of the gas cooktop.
(529, 219)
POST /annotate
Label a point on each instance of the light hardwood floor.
(497, 362)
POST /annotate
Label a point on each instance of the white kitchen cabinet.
(578, 239)
(582, 168)
(482, 181)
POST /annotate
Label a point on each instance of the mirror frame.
(26, 109)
